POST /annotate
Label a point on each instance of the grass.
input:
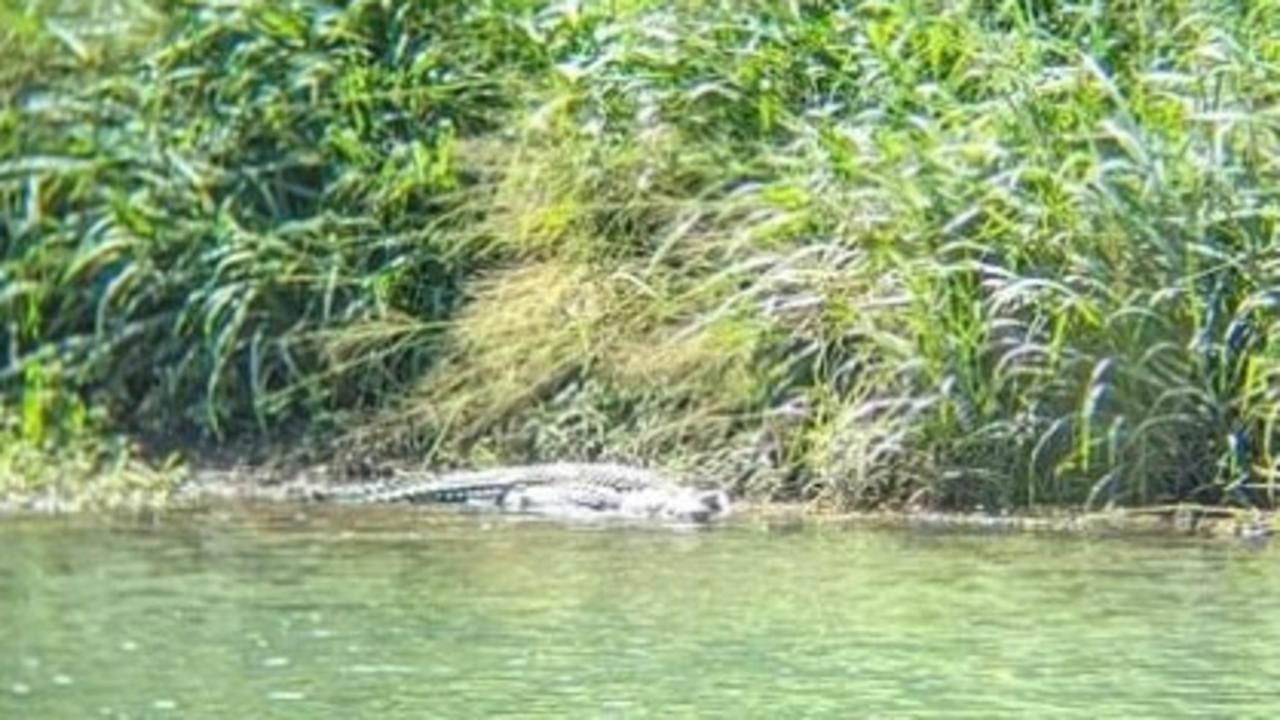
(1000, 254)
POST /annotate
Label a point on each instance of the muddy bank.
(229, 479)
(232, 485)
(1164, 521)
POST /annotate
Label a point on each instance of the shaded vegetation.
(957, 254)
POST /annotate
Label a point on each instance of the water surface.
(413, 614)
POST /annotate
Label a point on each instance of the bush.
(994, 253)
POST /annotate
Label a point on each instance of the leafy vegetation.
(954, 254)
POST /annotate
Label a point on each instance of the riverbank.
(226, 483)
(844, 254)
(230, 486)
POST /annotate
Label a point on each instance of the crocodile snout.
(700, 507)
(716, 502)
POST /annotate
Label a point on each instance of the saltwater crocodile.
(571, 490)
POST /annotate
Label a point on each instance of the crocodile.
(568, 490)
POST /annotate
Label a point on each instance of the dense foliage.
(990, 252)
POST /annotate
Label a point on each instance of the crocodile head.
(675, 504)
(683, 505)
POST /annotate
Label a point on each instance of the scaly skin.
(556, 489)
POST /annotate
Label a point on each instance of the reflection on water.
(417, 614)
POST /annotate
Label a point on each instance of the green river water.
(381, 614)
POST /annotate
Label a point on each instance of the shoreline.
(1192, 522)
(1185, 521)
(280, 483)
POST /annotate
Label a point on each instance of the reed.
(986, 253)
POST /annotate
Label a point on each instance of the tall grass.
(957, 254)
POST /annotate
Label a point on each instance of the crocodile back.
(492, 486)
(607, 476)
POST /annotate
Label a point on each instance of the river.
(340, 613)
